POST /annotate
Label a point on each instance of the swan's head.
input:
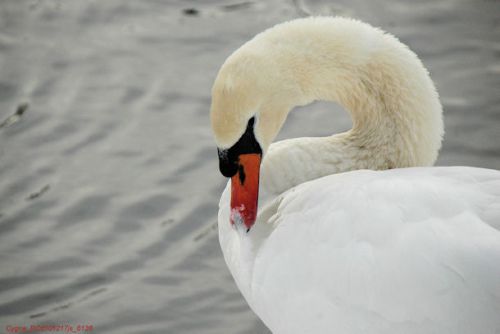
(250, 101)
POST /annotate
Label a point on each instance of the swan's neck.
(396, 113)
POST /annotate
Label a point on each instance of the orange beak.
(245, 190)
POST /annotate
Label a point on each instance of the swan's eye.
(247, 144)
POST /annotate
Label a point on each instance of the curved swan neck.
(395, 109)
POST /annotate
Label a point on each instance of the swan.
(351, 233)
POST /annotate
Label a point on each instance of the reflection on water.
(108, 175)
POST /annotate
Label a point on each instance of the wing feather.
(412, 250)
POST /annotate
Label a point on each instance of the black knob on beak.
(229, 158)
(228, 163)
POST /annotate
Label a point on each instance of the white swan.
(405, 250)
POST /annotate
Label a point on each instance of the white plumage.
(413, 250)
(337, 248)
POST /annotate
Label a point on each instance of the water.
(108, 179)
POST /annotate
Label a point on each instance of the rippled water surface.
(108, 175)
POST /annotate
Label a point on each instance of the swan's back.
(412, 250)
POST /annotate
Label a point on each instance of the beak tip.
(241, 216)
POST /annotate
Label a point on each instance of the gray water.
(109, 182)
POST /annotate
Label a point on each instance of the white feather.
(413, 250)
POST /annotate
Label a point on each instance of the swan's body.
(402, 251)
(413, 250)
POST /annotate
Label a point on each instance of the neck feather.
(395, 109)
